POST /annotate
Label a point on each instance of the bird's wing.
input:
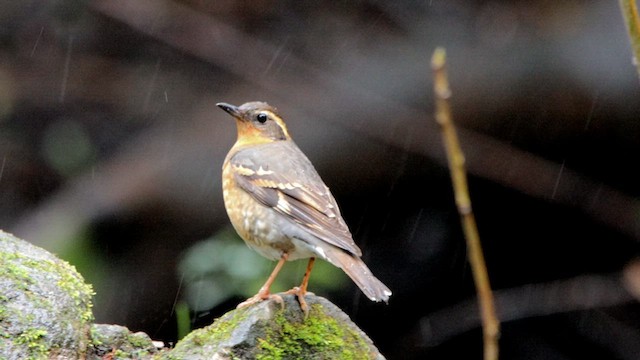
(291, 186)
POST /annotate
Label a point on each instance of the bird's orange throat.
(249, 135)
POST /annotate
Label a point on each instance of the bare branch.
(630, 14)
(490, 322)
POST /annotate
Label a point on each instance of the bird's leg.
(264, 292)
(301, 291)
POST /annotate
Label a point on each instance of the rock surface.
(45, 305)
(118, 342)
(268, 331)
(45, 313)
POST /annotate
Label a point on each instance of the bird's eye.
(262, 118)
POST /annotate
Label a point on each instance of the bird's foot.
(261, 296)
(300, 293)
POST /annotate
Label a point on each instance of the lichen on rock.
(268, 331)
(119, 343)
(45, 313)
(45, 305)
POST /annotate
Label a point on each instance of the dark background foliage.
(111, 148)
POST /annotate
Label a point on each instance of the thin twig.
(630, 13)
(185, 29)
(490, 323)
(583, 292)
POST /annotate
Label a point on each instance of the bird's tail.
(358, 271)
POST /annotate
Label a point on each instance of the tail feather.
(358, 271)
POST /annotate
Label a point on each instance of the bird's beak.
(231, 109)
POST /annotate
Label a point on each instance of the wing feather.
(293, 189)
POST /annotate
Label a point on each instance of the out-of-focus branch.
(579, 293)
(215, 42)
(490, 322)
(631, 278)
(630, 14)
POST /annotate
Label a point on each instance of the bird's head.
(258, 122)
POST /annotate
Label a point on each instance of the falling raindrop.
(152, 83)
(177, 297)
(414, 228)
(4, 161)
(557, 184)
(65, 73)
(37, 41)
(275, 57)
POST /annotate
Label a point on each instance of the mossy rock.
(267, 331)
(45, 313)
(117, 342)
(45, 305)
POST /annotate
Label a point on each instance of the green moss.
(79, 291)
(43, 292)
(269, 351)
(200, 341)
(269, 332)
(120, 354)
(138, 340)
(219, 331)
(18, 267)
(15, 271)
(34, 338)
(96, 338)
(3, 307)
(318, 334)
(119, 341)
(125, 354)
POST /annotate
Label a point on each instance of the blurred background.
(111, 148)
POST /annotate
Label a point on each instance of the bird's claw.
(261, 297)
(300, 293)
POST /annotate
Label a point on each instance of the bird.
(281, 208)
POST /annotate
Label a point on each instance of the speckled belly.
(256, 224)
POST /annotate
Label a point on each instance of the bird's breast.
(258, 225)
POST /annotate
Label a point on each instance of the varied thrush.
(281, 208)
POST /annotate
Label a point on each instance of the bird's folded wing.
(300, 196)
